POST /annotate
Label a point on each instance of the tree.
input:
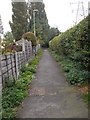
(19, 22)
(8, 37)
(53, 32)
(42, 26)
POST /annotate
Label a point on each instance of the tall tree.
(19, 24)
(42, 26)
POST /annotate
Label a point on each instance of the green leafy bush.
(9, 81)
(72, 51)
(74, 43)
(75, 74)
(30, 37)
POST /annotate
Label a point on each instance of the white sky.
(59, 13)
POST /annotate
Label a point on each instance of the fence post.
(11, 57)
(23, 48)
(16, 62)
(23, 44)
(30, 49)
(6, 58)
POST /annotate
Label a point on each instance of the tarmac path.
(50, 96)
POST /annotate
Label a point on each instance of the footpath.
(50, 96)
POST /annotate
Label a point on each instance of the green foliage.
(53, 32)
(75, 74)
(13, 95)
(19, 22)
(41, 25)
(9, 81)
(87, 97)
(8, 38)
(74, 44)
(43, 30)
(31, 69)
(30, 36)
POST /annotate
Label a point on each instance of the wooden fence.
(12, 63)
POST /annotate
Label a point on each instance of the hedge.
(74, 43)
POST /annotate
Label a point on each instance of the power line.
(78, 10)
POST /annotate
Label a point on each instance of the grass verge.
(13, 94)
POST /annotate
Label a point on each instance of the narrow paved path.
(50, 96)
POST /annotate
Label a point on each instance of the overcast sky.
(59, 13)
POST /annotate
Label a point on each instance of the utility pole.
(34, 13)
(34, 20)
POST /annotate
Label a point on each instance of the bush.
(74, 44)
(30, 36)
(75, 74)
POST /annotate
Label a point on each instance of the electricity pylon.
(79, 3)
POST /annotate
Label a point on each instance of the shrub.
(74, 43)
(75, 74)
(30, 36)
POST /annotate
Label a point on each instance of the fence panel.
(10, 64)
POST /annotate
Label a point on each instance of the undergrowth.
(74, 72)
(13, 94)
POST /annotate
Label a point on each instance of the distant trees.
(53, 32)
(19, 24)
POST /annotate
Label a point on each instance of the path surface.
(50, 96)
